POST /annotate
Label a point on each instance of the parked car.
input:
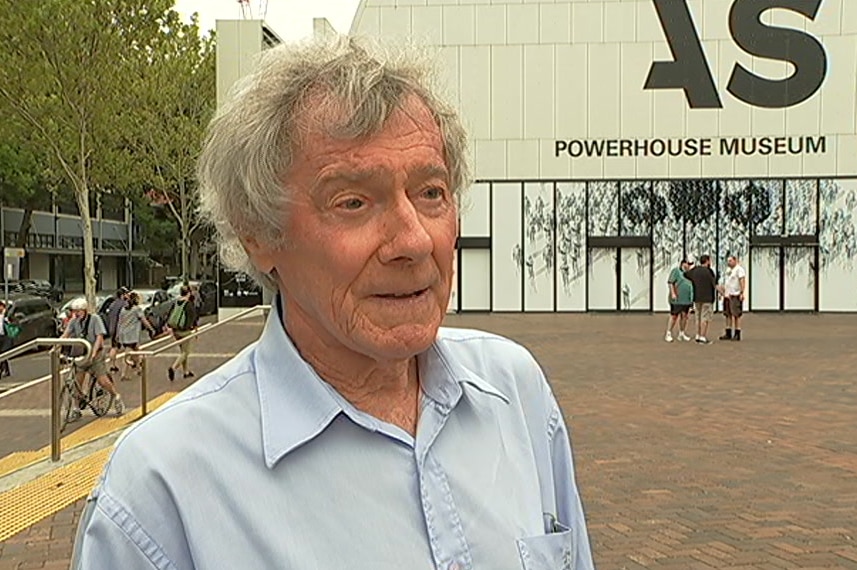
(207, 290)
(152, 297)
(154, 303)
(169, 281)
(35, 315)
(38, 288)
(158, 315)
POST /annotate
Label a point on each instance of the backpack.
(74, 350)
(178, 317)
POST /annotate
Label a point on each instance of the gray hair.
(251, 140)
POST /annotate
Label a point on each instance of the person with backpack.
(111, 319)
(181, 321)
(130, 326)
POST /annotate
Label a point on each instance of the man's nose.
(406, 238)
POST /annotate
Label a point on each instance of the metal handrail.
(41, 379)
(144, 368)
(200, 331)
(56, 386)
(55, 344)
(47, 341)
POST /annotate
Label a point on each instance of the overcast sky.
(291, 19)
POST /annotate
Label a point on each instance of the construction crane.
(247, 9)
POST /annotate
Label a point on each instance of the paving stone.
(729, 456)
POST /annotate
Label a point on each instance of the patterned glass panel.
(603, 208)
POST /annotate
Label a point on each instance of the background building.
(54, 248)
(597, 168)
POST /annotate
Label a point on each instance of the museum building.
(612, 138)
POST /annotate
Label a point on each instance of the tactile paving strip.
(24, 506)
(90, 432)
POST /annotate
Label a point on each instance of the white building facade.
(611, 138)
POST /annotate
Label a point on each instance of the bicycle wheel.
(100, 399)
(66, 406)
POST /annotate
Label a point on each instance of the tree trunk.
(82, 195)
(184, 225)
(193, 262)
(24, 228)
(21, 240)
(185, 256)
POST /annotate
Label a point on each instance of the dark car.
(35, 315)
(38, 288)
(157, 315)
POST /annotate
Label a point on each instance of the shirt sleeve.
(741, 273)
(569, 506)
(97, 326)
(108, 539)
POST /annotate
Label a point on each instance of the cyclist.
(90, 327)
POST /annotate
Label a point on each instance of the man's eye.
(351, 204)
(435, 193)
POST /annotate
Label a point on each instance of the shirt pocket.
(553, 551)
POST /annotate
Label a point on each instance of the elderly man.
(356, 433)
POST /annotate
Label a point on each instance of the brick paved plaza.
(734, 455)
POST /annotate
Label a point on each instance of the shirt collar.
(442, 376)
(297, 405)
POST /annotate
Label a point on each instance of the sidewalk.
(734, 455)
(25, 416)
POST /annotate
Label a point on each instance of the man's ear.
(261, 255)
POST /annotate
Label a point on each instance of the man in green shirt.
(681, 300)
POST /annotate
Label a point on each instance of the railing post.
(144, 384)
(55, 404)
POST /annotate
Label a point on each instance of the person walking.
(681, 299)
(130, 325)
(734, 286)
(111, 319)
(704, 294)
(182, 320)
(5, 340)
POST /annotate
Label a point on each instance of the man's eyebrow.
(359, 175)
(427, 171)
(350, 175)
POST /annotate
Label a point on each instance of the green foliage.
(178, 94)
(114, 95)
(20, 174)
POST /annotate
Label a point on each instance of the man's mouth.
(404, 295)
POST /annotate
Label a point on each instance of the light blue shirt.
(263, 465)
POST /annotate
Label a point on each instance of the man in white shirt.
(734, 285)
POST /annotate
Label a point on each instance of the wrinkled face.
(370, 238)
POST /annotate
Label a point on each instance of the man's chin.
(402, 341)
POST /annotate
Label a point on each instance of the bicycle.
(93, 395)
